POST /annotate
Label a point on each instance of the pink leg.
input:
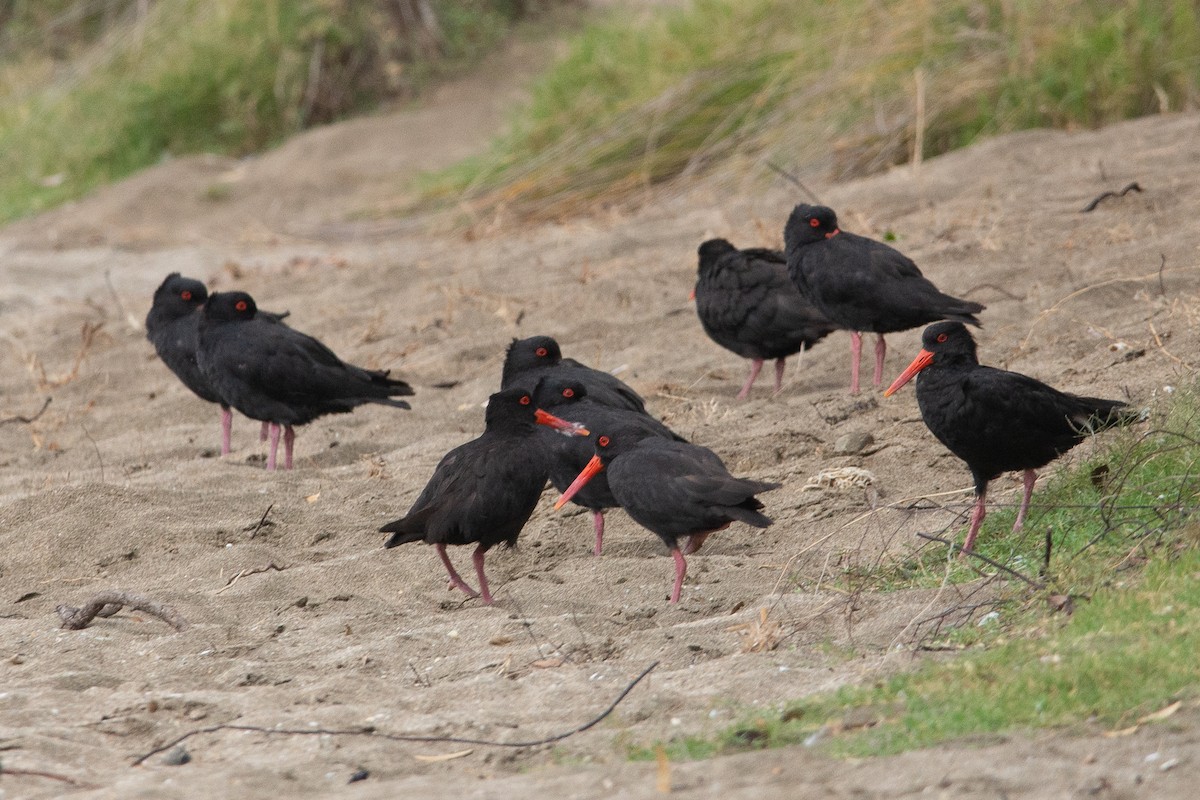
(289, 438)
(455, 580)
(755, 366)
(598, 521)
(780, 364)
(262, 432)
(976, 520)
(680, 571)
(477, 557)
(226, 429)
(855, 357)
(1028, 479)
(274, 447)
(880, 353)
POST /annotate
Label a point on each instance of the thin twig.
(1132, 187)
(37, 773)
(778, 170)
(981, 557)
(399, 737)
(130, 319)
(255, 571)
(27, 420)
(74, 619)
(1162, 287)
(261, 521)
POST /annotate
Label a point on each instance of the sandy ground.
(307, 622)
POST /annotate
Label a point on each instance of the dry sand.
(116, 485)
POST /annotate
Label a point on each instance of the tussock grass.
(90, 92)
(721, 87)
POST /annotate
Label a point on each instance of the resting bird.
(747, 304)
(483, 492)
(674, 489)
(529, 360)
(273, 373)
(171, 326)
(998, 421)
(862, 284)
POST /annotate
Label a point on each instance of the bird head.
(808, 224)
(941, 343)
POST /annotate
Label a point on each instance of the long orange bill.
(585, 475)
(560, 425)
(923, 360)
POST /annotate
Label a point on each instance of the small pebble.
(360, 774)
(176, 757)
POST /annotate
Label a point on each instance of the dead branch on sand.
(253, 571)
(1132, 187)
(109, 602)
(400, 737)
(38, 773)
(87, 335)
(28, 419)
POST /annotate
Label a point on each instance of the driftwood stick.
(109, 602)
(398, 737)
(1132, 187)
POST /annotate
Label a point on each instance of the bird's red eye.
(241, 305)
(602, 441)
(568, 392)
(541, 352)
(186, 295)
(942, 337)
(816, 223)
(525, 400)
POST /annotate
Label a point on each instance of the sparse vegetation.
(94, 91)
(1105, 641)
(729, 85)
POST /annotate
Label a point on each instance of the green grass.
(1127, 553)
(725, 85)
(224, 76)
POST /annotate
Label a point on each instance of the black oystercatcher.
(171, 328)
(862, 284)
(273, 373)
(529, 360)
(568, 399)
(998, 421)
(673, 489)
(747, 304)
(484, 491)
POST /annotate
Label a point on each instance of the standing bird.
(862, 284)
(171, 326)
(484, 491)
(747, 304)
(273, 373)
(529, 360)
(568, 399)
(672, 488)
(998, 421)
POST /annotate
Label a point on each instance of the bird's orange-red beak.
(585, 475)
(560, 425)
(923, 360)
(692, 296)
(833, 233)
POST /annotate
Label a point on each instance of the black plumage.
(278, 375)
(529, 360)
(674, 489)
(171, 326)
(568, 399)
(484, 491)
(862, 284)
(747, 304)
(998, 421)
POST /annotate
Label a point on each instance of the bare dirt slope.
(307, 622)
